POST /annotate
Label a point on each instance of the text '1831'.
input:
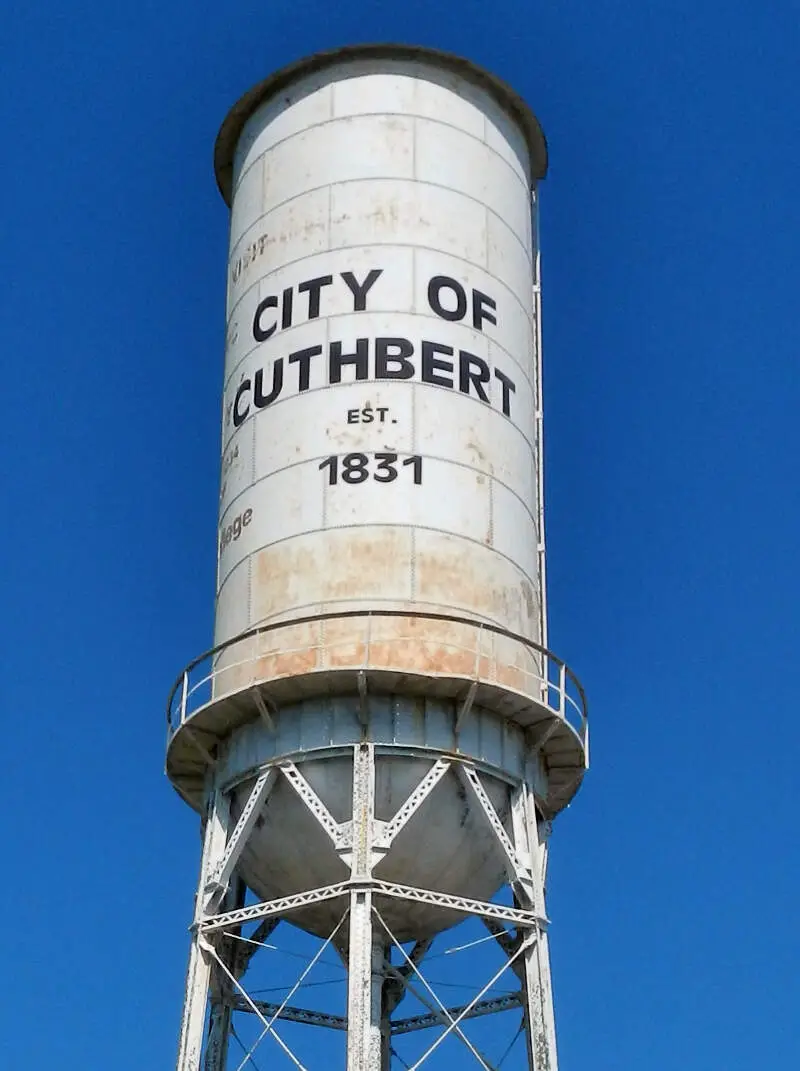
(381, 467)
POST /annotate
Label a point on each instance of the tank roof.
(502, 93)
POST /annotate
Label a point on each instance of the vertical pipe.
(537, 310)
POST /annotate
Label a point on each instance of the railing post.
(562, 690)
(184, 694)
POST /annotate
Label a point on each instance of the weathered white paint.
(418, 175)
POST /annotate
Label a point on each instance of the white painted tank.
(379, 415)
(380, 458)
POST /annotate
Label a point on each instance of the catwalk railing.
(258, 656)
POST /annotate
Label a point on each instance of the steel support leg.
(198, 974)
(530, 838)
(222, 996)
(366, 1029)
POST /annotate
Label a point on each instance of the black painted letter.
(431, 366)
(468, 378)
(402, 350)
(444, 282)
(481, 306)
(260, 400)
(239, 418)
(261, 334)
(337, 359)
(303, 358)
(509, 387)
(360, 290)
(313, 287)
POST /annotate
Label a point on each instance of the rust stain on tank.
(286, 664)
(346, 654)
(444, 577)
(344, 565)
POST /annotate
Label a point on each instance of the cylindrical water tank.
(379, 416)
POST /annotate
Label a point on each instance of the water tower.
(379, 739)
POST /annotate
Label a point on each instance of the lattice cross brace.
(464, 1014)
(268, 1027)
(338, 833)
(519, 873)
(386, 835)
(218, 882)
(253, 1005)
(443, 1017)
(527, 837)
(431, 1002)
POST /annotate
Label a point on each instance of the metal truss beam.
(311, 1017)
(219, 1020)
(307, 1016)
(218, 882)
(271, 908)
(461, 904)
(518, 873)
(483, 1007)
(413, 803)
(312, 801)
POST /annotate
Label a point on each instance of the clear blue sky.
(671, 224)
